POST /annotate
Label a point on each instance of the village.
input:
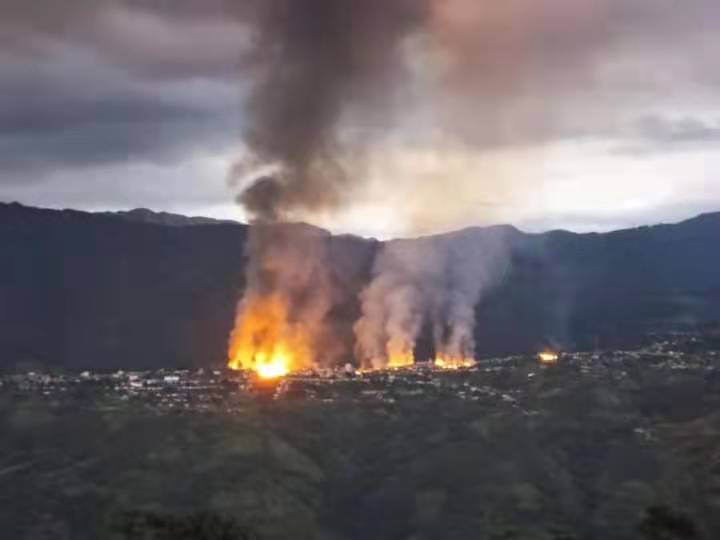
(507, 381)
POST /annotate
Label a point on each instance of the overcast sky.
(580, 114)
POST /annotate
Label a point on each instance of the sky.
(577, 114)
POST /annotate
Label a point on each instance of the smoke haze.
(436, 280)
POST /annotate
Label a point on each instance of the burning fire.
(548, 357)
(271, 368)
(447, 362)
(266, 342)
(400, 354)
(396, 361)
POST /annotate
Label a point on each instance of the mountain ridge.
(86, 290)
(172, 219)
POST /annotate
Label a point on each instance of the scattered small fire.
(548, 357)
(266, 342)
(446, 362)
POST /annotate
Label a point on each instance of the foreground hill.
(85, 290)
(620, 446)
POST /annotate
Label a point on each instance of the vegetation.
(571, 458)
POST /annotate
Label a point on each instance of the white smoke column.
(402, 324)
(395, 303)
(439, 279)
(370, 329)
(476, 261)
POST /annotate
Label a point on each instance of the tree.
(663, 523)
(199, 526)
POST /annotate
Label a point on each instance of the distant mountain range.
(144, 215)
(141, 289)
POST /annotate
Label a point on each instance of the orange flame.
(399, 354)
(266, 342)
(548, 357)
(448, 362)
(400, 361)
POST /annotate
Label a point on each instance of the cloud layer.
(519, 109)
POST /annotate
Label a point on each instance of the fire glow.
(400, 360)
(269, 343)
(266, 342)
(548, 358)
(447, 362)
(271, 368)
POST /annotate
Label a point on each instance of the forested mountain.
(84, 290)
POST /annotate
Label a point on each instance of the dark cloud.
(152, 39)
(102, 82)
(92, 83)
(43, 126)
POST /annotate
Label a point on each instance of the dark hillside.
(85, 290)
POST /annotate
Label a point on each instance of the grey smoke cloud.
(310, 274)
(316, 59)
(461, 74)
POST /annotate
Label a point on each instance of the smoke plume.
(315, 61)
(331, 78)
(288, 296)
(439, 280)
